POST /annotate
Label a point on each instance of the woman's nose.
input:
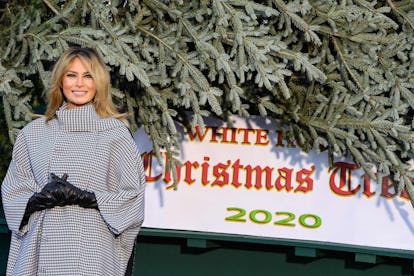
(79, 81)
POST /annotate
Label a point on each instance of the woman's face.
(78, 85)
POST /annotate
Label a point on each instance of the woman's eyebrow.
(84, 73)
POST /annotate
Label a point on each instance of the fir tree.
(338, 74)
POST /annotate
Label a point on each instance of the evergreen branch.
(50, 6)
(198, 77)
(86, 42)
(54, 10)
(344, 62)
(351, 96)
(7, 113)
(312, 71)
(323, 125)
(299, 22)
(14, 24)
(394, 8)
(162, 42)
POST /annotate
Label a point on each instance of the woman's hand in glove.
(58, 192)
(41, 201)
(72, 194)
(61, 191)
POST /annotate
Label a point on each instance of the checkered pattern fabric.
(99, 155)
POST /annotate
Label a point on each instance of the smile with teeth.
(79, 93)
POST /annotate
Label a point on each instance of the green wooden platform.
(181, 253)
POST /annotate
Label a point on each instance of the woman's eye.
(70, 75)
(88, 76)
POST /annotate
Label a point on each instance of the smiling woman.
(73, 195)
(78, 85)
(73, 75)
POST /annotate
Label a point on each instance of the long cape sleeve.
(124, 208)
(18, 186)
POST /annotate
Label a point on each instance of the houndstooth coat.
(99, 155)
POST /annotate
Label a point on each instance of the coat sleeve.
(123, 208)
(18, 186)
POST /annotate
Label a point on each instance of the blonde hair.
(90, 58)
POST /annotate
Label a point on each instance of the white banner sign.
(245, 179)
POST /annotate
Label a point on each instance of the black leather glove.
(38, 202)
(69, 194)
(87, 200)
(58, 192)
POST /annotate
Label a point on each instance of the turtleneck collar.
(83, 119)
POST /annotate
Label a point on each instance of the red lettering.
(386, 186)
(230, 135)
(367, 186)
(279, 134)
(304, 180)
(188, 169)
(169, 170)
(220, 172)
(344, 187)
(199, 134)
(245, 132)
(147, 158)
(404, 194)
(236, 169)
(215, 135)
(262, 137)
(204, 171)
(259, 171)
(284, 180)
(233, 132)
